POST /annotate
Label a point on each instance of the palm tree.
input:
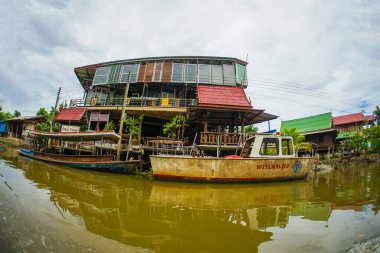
(297, 137)
(376, 113)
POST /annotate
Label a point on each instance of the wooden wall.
(167, 72)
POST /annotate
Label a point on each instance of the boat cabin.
(264, 145)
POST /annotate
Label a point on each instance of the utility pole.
(55, 108)
(121, 124)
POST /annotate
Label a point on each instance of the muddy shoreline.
(349, 161)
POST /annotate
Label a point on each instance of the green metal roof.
(309, 124)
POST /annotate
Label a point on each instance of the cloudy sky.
(305, 57)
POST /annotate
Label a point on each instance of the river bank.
(349, 161)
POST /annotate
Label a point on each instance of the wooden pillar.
(205, 123)
(121, 124)
(242, 123)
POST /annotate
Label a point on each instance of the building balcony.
(143, 102)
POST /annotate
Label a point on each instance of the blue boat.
(102, 162)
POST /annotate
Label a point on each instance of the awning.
(89, 136)
(228, 116)
(222, 96)
(26, 119)
(70, 114)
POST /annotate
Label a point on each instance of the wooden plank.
(149, 72)
(141, 75)
(167, 72)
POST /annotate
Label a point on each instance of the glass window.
(114, 74)
(287, 146)
(133, 68)
(217, 74)
(269, 146)
(204, 73)
(241, 74)
(177, 72)
(157, 72)
(229, 74)
(101, 75)
(191, 73)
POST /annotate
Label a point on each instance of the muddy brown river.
(48, 208)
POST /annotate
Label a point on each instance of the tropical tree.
(45, 126)
(133, 125)
(250, 129)
(298, 139)
(16, 114)
(358, 141)
(292, 132)
(109, 126)
(376, 113)
(175, 128)
(374, 137)
(4, 115)
(42, 112)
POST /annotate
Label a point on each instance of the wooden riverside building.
(208, 91)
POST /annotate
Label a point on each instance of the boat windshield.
(287, 146)
(269, 146)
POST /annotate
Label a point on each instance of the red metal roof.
(348, 119)
(70, 114)
(216, 95)
(370, 118)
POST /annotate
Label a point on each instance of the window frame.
(122, 73)
(182, 71)
(106, 75)
(196, 73)
(199, 73)
(263, 142)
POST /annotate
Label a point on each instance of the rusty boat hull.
(89, 162)
(212, 169)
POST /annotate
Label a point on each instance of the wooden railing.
(211, 138)
(164, 102)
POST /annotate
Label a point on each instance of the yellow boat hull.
(211, 169)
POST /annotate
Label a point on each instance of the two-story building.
(208, 91)
(346, 124)
(317, 129)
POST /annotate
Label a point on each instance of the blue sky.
(305, 57)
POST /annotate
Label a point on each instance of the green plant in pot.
(133, 128)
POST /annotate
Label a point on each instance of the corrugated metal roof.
(90, 135)
(309, 124)
(70, 114)
(27, 118)
(161, 58)
(370, 118)
(216, 95)
(348, 119)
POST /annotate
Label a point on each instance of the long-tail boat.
(263, 158)
(78, 150)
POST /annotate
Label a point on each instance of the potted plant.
(133, 127)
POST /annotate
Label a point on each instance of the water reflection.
(177, 217)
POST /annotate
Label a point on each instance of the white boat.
(263, 158)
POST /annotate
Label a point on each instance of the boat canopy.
(84, 136)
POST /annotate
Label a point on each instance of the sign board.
(71, 129)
